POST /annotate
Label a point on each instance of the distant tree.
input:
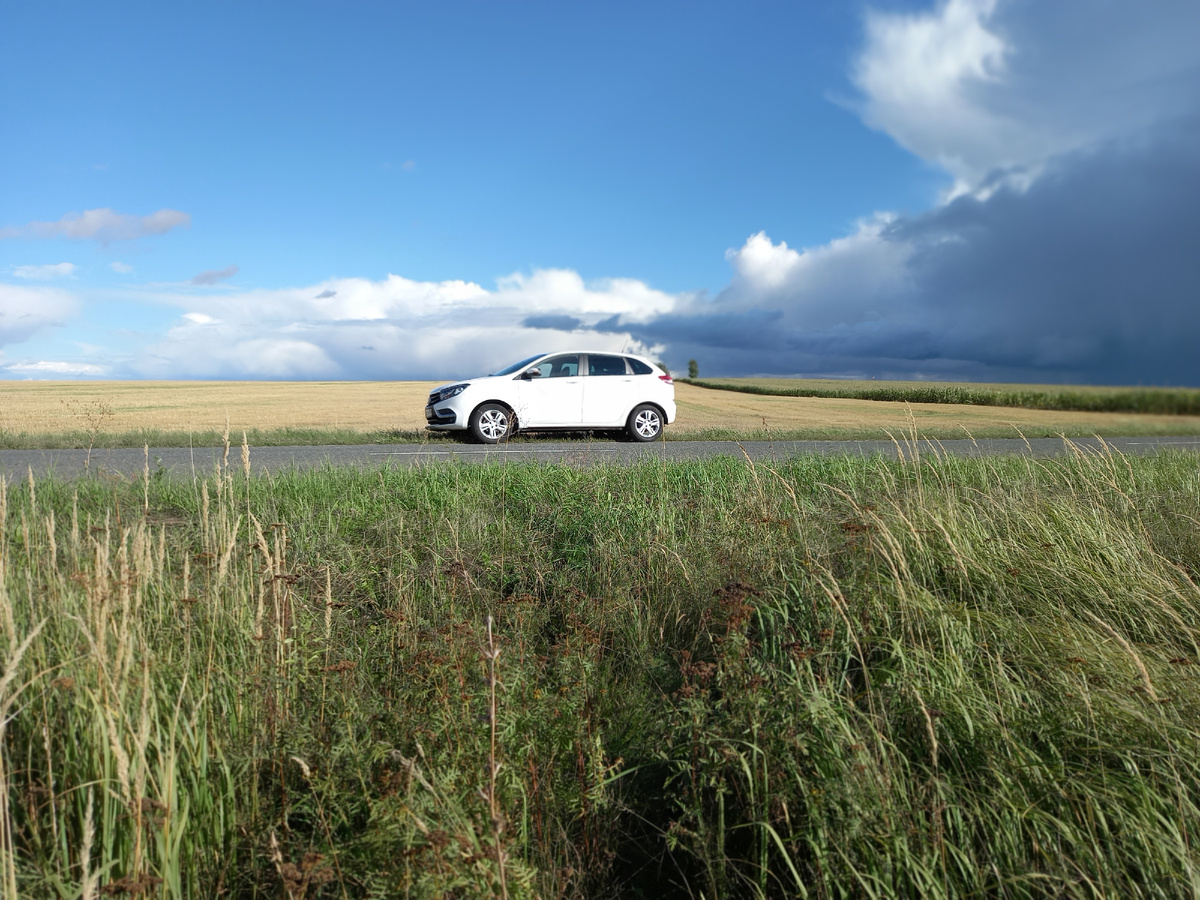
(693, 369)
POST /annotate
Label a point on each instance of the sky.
(981, 190)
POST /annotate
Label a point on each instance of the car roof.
(595, 352)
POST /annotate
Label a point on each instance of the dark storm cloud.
(553, 322)
(1093, 271)
(1091, 274)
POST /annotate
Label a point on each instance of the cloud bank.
(393, 328)
(54, 369)
(1089, 274)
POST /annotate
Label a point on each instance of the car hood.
(478, 379)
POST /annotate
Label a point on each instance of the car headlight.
(453, 391)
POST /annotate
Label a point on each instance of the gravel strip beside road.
(182, 461)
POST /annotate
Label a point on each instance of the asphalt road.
(182, 461)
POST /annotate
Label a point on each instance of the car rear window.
(605, 365)
(639, 367)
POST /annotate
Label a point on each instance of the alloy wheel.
(493, 424)
(647, 423)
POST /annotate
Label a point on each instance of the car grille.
(434, 397)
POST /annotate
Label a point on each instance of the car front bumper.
(451, 414)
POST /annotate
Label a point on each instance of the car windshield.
(517, 367)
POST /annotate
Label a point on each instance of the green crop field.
(1080, 398)
(826, 677)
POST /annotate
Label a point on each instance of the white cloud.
(563, 291)
(55, 369)
(27, 310)
(45, 272)
(414, 329)
(977, 86)
(103, 225)
(850, 278)
(922, 75)
(121, 268)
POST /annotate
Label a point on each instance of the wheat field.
(375, 407)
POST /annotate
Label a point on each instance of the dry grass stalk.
(8, 851)
(328, 604)
(50, 538)
(498, 824)
(88, 881)
(1125, 645)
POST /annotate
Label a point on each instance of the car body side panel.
(607, 398)
(550, 401)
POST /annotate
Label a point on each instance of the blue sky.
(386, 190)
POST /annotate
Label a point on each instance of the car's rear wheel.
(645, 423)
(491, 423)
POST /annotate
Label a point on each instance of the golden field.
(61, 407)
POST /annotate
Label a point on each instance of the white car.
(572, 391)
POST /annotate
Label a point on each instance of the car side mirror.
(531, 373)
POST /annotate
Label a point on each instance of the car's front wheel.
(491, 423)
(645, 423)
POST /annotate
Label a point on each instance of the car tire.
(491, 423)
(645, 423)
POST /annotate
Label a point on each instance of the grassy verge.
(1159, 401)
(260, 437)
(830, 676)
(306, 437)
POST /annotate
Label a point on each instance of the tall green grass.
(824, 677)
(1160, 401)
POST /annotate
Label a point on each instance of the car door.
(555, 398)
(607, 390)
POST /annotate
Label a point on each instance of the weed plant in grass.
(826, 677)
(1162, 401)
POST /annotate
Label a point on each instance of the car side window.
(639, 367)
(605, 365)
(559, 366)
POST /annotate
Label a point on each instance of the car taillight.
(666, 379)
